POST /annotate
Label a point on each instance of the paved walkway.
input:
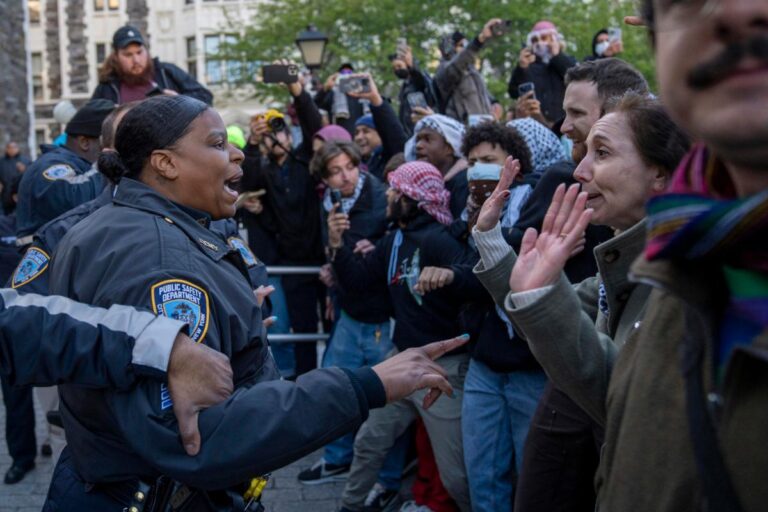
(284, 493)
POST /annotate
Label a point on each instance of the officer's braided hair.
(155, 123)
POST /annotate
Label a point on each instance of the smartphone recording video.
(354, 84)
(280, 73)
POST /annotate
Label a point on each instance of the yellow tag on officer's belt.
(184, 301)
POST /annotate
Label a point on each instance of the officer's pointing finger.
(440, 348)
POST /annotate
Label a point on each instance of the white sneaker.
(412, 506)
(381, 499)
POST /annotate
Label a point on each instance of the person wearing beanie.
(329, 133)
(378, 135)
(63, 177)
(129, 73)
(462, 89)
(544, 63)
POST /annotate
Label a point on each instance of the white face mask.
(541, 50)
(600, 48)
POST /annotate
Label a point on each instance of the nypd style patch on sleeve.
(183, 301)
(59, 172)
(165, 397)
(240, 246)
(34, 263)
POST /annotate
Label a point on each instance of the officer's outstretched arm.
(257, 430)
(48, 340)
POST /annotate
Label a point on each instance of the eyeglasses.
(678, 14)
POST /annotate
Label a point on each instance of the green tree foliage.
(365, 32)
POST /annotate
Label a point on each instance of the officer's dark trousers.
(19, 422)
(560, 458)
(304, 296)
(69, 493)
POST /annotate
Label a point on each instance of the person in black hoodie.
(290, 216)
(129, 73)
(603, 47)
(417, 202)
(413, 80)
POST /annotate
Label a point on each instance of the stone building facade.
(14, 112)
(68, 40)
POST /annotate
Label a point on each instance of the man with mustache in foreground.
(687, 393)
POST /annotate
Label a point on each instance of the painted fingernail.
(273, 318)
(464, 336)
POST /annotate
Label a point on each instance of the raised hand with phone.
(544, 63)
(361, 86)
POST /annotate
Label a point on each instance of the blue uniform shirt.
(55, 183)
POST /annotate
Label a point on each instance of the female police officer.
(151, 247)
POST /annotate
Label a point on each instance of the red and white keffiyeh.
(422, 182)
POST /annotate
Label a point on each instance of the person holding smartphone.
(544, 63)
(416, 89)
(606, 43)
(462, 88)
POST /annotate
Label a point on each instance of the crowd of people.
(583, 274)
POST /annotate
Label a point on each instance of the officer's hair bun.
(112, 166)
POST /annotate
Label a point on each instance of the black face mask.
(402, 73)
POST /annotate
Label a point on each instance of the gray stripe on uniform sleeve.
(153, 336)
(154, 344)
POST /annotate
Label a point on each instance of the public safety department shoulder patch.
(184, 301)
(34, 263)
(59, 172)
(240, 246)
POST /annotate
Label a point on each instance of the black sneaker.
(321, 472)
(381, 499)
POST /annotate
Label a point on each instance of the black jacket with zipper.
(368, 221)
(167, 76)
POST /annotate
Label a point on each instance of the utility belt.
(168, 495)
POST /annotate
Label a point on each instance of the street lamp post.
(311, 43)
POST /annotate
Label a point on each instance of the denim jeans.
(282, 352)
(496, 415)
(352, 345)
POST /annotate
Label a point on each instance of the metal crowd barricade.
(301, 337)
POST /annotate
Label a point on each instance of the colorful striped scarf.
(700, 218)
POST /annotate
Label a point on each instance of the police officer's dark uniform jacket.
(56, 182)
(31, 274)
(146, 251)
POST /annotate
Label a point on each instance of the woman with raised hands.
(576, 331)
